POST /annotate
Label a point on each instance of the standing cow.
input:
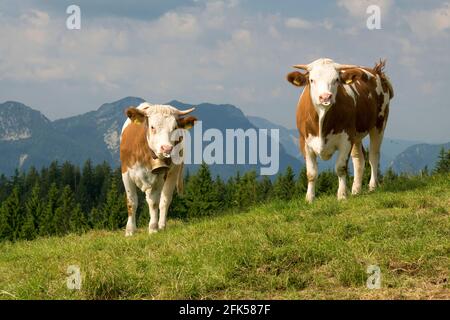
(339, 106)
(146, 144)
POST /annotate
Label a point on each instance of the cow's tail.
(379, 69)
(180, 180)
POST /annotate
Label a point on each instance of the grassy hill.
(281, 250)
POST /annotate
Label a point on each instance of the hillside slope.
(279, 250)
(416, 157)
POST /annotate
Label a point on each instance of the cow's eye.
(311, 80)
(153, 128)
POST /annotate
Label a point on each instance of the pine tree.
(64, 211)
(78, 221)
(47, 223)
(97, 220)
(114, 208)
(284, 186)
(85, 194)
(246, 190)
(443, 163)
(327, 182)
(11, 216)
(33, 212)
(200, 197)
(264, 189)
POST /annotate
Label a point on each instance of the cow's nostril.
(166, 148)
(325, 96)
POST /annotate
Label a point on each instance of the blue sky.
(223, 51)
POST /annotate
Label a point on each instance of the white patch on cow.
(22, 159)
(112, 138)
(369, 75)
(323, 78)
(354, 88)
(379, 91)
(143, 177)
(325, 150)
(350, 92)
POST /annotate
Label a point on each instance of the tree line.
(64, 198)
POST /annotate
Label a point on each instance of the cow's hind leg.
(341, 168)
(376, 137)
(311, 173)
(152, 198)
(166, 196)
(358, 166)
(132, 203)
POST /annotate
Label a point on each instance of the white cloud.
(357, 8)
(297, 23)
(430, 23)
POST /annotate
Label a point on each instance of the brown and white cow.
(146, 143)
(339, 106)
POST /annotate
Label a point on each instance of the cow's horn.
(346, 66)
(183, 112)
(301, 66)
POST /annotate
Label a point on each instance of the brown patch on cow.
(135, 115)
(297, 79)
(307, 118)
(134, 146)
(186, 122)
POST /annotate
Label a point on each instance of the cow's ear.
(136, 116)
(186, 122)
(297, 79)
(348, 76)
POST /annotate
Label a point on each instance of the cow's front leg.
(152, 198)
(311, 173)
(132, 203)
(341, 168)
(166, 196)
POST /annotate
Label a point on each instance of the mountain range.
(28, 138)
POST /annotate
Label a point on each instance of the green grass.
(281, 250)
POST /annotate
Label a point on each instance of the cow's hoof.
(129, 231)
(162, 227)
(309, 198)
(356, 190)
(342, 195)
(153, 228)
(372, 186)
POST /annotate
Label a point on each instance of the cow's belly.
(325, 147)
(143, 177)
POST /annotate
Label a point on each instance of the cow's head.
(161, 121)
(323, 77)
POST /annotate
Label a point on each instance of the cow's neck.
(321, 113)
